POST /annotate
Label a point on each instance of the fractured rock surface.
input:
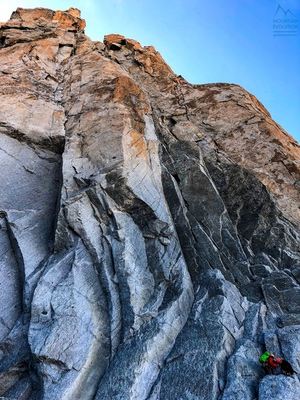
(149, 228)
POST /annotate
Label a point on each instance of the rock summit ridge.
(149, 227)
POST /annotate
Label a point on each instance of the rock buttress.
(149, 227)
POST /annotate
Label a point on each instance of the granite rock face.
(149, 227)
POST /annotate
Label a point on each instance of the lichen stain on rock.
(138, 144)
(128, 92)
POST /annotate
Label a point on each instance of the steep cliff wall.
(149, 227)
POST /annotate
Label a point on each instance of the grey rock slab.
(199, 356)
(289, 338)
(243, 373)
(11, 283)
(279, 387)
(159, 318)
(243, 370)
(30, 188)
(69, 331)
(282, 293)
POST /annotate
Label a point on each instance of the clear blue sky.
(208, 41)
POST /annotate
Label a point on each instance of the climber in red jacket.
(272, 363)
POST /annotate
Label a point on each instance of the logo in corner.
(287, 12)
(285, 23)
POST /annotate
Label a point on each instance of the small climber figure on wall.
(270, 364)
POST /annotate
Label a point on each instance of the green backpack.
(263, 358)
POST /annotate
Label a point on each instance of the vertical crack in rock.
(15, 371)
(67, 300)
(11, 300)
(149, 228)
